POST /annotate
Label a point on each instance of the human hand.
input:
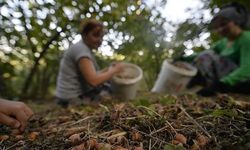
(117, 67)
(14, 114)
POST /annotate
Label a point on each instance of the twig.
(17, 143)
(117, 135)
(171, 127)
(150, 136)
(131, 118)
(105, 107)
(79, 121)
(159, 116)
(106, 133)
(159, 130)
(149, 144)
(195, 122)
(150, 110)
(154, 144)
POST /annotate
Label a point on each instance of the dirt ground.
(150, 122)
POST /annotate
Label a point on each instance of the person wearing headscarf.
(226, 67)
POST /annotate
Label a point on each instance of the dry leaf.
(103, 146)
(136, 136)
(243, 105)
(114, 115)
(111, 140)
(122, 140)
(91, 143)
(79, 147)
(175, 142)
(195, 146)
(19, 137)
(202, 140)
(62, 119)
(138, 148)
(119, 107)
(4, 137)
(120, 148)
(116, 135)
(33, 136)
(71, 131)
(181, 138)
(75, 139)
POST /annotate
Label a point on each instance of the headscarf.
(231, 12)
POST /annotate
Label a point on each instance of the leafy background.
(34, 34)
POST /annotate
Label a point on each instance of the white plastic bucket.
(173, 79)
(125, 83)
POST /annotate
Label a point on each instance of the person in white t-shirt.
(79, 75)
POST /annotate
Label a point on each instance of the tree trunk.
(33, 70)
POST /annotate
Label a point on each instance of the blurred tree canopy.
(35, 33)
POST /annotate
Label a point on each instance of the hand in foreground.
(14, 114)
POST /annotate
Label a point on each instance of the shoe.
(197, 80)
(62, 103)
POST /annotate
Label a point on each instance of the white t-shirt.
(70, 82)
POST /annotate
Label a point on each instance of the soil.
(155, 122)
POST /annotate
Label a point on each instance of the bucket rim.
(129, 81)
(192, 72)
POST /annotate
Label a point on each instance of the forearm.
(103, 70)
(100, 78)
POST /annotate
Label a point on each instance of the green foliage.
(142, 102)
(165, 100)
(225, 112)
(219, 3)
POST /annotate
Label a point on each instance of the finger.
(28, 111)
(22, 118)
(9, 121)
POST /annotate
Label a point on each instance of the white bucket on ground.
(173, 79)
(125, 83)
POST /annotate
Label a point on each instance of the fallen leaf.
(120, 148)
(138, 148)
(103, 146)
(181, 138)
(62, 119)
(202, 140)
(116, 135)
(75, 139)
(79, 147)
(114, 115)
(91, 143)
(19, 137)
(119, 107)
(195, 146)
(71, 131)
(175, 142)
(4, 137)
(243, 105)
(33, 136)
(136, 136)
(122, 140)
